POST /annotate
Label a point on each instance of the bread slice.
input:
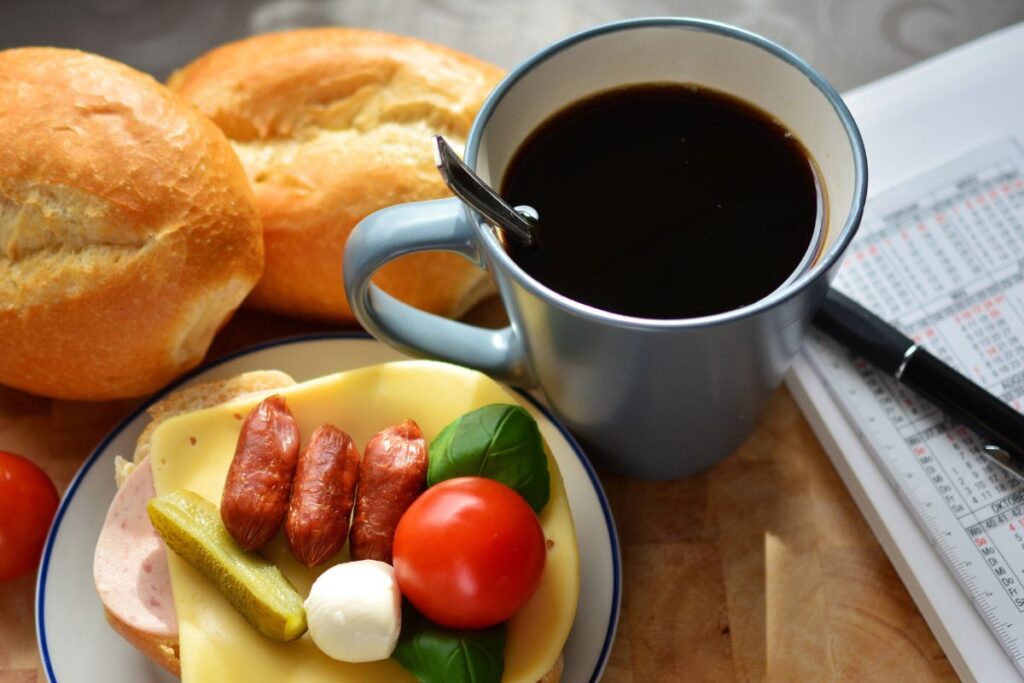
(197, 397)
(555, 674)
(162, 650)
(165, 651)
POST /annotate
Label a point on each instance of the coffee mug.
(651, 398)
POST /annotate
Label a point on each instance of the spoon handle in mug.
(467, 186)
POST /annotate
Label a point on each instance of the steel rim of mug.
(808, 270)
(818, 236)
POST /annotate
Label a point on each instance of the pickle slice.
(191, 526)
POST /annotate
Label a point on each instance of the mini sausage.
(259, 480)
(392, 475)
(323, 493)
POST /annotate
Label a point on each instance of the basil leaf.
(436, 654)
(500, 442)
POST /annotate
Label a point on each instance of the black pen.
(895, 354)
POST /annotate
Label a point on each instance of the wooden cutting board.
(762, 568)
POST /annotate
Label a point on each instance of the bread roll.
(332, 124)
(117, 584)
(119, 575)
(128, 233)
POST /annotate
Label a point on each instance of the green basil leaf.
(436, 654)
(500, 442)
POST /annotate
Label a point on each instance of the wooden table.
(794, 588)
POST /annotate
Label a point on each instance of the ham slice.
(130, 564)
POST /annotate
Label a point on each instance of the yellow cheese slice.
(193, 452)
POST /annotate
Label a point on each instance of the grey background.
(849, 41)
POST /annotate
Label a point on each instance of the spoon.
(520, 221)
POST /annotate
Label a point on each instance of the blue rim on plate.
(44, 565)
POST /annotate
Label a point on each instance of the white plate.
(77, 645)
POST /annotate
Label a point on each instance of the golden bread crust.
(128, 233)
(555, 674)
(331, 125)
(163, 651)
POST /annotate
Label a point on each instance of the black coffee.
(664, 201)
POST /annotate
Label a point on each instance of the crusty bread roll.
(332, 124)
(128, 233)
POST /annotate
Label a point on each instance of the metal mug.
(655, 399)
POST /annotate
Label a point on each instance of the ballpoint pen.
(895, 354)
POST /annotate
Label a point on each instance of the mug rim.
(786, 291)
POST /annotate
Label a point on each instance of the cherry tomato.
(28, 501)
(469, 552)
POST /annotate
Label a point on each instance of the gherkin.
(191, 526)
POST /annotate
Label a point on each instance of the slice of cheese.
(193, 452)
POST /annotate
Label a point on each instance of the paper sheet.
(942, 257)
(914, 122)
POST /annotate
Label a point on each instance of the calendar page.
(942, 258)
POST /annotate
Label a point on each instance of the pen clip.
(1002, 457)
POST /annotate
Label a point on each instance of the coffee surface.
(663, 201)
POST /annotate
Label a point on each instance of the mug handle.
(438, 225)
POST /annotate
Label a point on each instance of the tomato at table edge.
(29, 501)
(427, 548)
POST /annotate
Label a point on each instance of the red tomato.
(469, 552)
(28, 500)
